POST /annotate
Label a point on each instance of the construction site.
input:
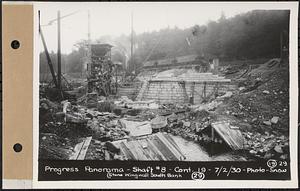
(183, 108)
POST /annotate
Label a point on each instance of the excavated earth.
(260, 108)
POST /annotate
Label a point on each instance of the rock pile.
(267, 145)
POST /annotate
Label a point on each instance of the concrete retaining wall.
(176, 92)
(130, 92)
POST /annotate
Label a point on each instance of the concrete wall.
(173, 92)
(164, 92)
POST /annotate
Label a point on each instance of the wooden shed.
(223, 132)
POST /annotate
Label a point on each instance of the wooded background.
(251, 35)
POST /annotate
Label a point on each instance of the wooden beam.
(193, 92)
(58, 52)
(84, 149)
(77, 150)
(81, 149)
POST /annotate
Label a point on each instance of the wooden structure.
(100, 69)
(223, 132)
(188, 62)
(130, 90)
(158, 146)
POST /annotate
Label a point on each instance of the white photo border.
(293, 109)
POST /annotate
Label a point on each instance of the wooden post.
(89, 54)
(158, 92)
(204, 91)
(217, 89)
(116, 79)
(186, 97)
(131, 44)
(212, 139)
(47, 55)
(193, 92)
(212, 134)
(58, 52)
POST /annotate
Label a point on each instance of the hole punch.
(17, 147)
(15, 44)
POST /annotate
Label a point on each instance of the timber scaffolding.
(100, 69)
(189, 87)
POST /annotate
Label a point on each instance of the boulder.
(242, 88)
(267, 123)
(159, 122)
(278, 149)
(274, 119)
(136, 128)
(266, 92)
(186, 124)
(172, 118)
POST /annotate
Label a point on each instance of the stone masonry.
(193, 88)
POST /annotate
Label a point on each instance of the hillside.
(261, 107)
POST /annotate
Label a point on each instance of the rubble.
(136, 128)
(208, 106)
(226, 95)
(158, 122)
(128, 103)
(250, 108)
(274, 119)
(267, 123)
(267, 145)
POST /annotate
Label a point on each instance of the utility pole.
(57, 81)
(131, 50)
(89, 53)
(58, 52)
(47, 54)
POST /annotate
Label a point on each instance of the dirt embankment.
(261, 105)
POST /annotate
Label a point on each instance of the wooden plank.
(173, 148)
(154, 153)
(171, 140)
(129, 149)
(84, 148)
(233, 137)
(157, 152)
(77, 150)
(165, 150)
(169, 145)
(137, 150)
(158, 147)
(129, 155)
(145, 151)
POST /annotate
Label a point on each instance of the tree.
(255, 34)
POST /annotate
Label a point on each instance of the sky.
(114, 19)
